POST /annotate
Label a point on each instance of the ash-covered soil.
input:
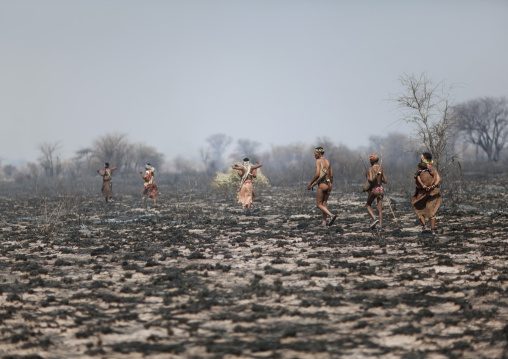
(197, 278)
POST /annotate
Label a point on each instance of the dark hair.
(422, 165)
(245, 159)
(106, 164)
(148, 164)
(320, 150)
(427, 155)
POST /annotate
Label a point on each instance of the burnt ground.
(198, 278)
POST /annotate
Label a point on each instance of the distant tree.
(325, 142)
(115, 149)
(182, 165)
(143, 154)
(484, 123)
(48, 159)
(32, 172)
(9, 170)
(289, 164)
(247, 148)
(394, 147)
(83, 156)
(428, 108)
(204, 154)
(218, 144)
(331, 150)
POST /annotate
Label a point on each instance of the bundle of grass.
(230, 180)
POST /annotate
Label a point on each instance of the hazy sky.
(171, 73)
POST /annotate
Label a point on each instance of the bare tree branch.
(428, 108)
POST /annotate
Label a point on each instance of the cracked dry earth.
(200, 279)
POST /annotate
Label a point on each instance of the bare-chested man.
(323, 178)
(376, 176)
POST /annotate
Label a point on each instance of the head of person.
(373, 159)
(106, 165)
(318, 152)
(427, 158)
(422, 166)
(148, 166)
(246, 162)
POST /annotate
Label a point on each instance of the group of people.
(150, 189)
(425, 202)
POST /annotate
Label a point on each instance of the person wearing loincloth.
(323, 179)
(247, 173)
(427, 197)
(107, 182)
(376, 177)
(150, 187)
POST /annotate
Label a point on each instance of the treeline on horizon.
(283, 164)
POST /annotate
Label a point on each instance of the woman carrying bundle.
(246, 190)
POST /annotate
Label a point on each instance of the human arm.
(435, 182)
(256, 166)
(437, 179)
(330, 178)
(420, 181)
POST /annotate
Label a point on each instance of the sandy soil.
(197, 278)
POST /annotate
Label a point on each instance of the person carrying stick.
(376, 177)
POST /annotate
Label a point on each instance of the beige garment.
(426, 203)
(246, 195)
(107, 189)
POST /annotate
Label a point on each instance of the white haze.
(172, 73)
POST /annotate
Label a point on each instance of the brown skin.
(324, 189)
(103, 173)
(241, 172)
(377, 175)
(437, 180)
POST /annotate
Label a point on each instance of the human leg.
(433, 225)
(380, 210)
(370, 199)
(321, 201)
(423, 223)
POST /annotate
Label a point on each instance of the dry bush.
(51, 213)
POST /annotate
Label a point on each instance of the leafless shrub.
(51, 213)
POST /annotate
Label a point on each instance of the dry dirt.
(197, 278)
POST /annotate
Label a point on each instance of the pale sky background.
(171, 73)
